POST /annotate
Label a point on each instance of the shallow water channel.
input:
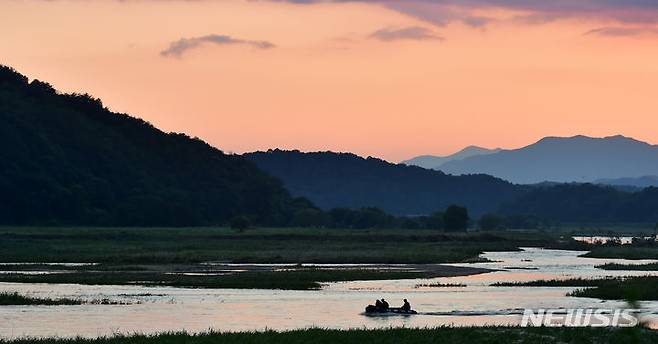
(337, 305)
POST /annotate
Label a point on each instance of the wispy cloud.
(623, 31)
(416, 33)
(179, 47)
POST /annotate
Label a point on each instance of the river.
(336, 305)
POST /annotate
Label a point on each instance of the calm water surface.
(337, 305)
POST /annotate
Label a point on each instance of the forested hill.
(65, 159)
(345, 180)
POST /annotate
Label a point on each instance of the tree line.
(453, 219)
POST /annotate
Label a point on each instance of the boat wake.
(516, 311)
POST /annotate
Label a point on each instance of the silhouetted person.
(379, 305)
(384, 304)
(406, 307)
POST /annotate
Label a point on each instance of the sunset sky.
(391, 79)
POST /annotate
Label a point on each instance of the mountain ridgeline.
(67, 160)
(579, 159)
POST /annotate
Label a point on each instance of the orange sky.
(327, 83)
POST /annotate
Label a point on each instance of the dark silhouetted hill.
(345, 180)
(65, 159)
(573, 159)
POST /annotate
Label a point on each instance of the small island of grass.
(16, 299)
(643, 288)
(629, 267)
(623, 252)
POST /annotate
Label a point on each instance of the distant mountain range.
(65, 159)
(564, 159)
(435, 162)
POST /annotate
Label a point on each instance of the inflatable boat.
(372, 310)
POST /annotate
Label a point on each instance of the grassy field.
(629, 267)
(126, 246)
(194, 245)
(174, 256)
(160, 256)
(642, 288)
(486, 335)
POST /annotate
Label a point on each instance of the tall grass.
(446, 335)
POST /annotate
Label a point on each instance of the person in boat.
(406, 306)
(384, 304)
(379, 305)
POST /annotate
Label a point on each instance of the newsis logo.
(580, 318)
